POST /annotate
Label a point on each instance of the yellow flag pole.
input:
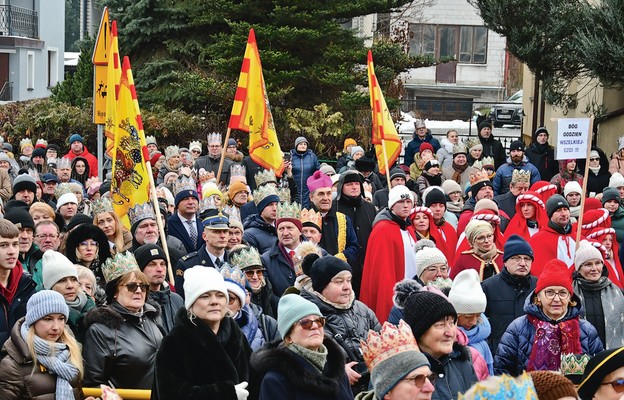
(227, 137)
(589, 146)
(385, 155)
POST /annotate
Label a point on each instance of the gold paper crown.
(263, 192)
(64, 162)
(478, 176)
(140, 212)
(25, 142)
(485, 161)
(102, 205)
(150, 140)
(233, 273)
(214, 137)
(264, 177)
(520, 176)
(283, 194)
(477, 165)
(573, 364)
(42, 142)
(171, 151)
(312, 217)
(61, 189)
(246, 258)
(390, 341)
(116, 266)
(459, 148)
(472, 142)
(288, 210)
(504, 387)
(184, 184)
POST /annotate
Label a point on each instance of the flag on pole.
(383, 127)
(113, 74)
(130, 184)
(251, 111)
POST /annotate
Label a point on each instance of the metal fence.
(18, 21)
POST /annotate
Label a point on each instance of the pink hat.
(319, 181)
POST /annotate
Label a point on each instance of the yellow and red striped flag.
(251, 111)
(130, 184)
(113, 74)
(383, 127)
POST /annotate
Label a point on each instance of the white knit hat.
(55, 266)
(66, 199)
(585, 252)
(572, 187)
(427, 254)
(398, 193)
(616, 180)
(466, 294)
(199, 280)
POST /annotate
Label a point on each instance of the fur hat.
(44, 303)
(83, 232)
(292, 308)
(199, 280)
(466, 294)
(56, 266)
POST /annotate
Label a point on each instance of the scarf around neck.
(551, 340)
(79, 303)
(317, 358)
(54, 356)
(336, 305)
(458, 170)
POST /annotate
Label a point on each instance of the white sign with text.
(572, 138)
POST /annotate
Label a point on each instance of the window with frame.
(422, 39)
(467, 44)
(473, 44)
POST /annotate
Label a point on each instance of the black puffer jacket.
(170, 303)
(346, 327)
(455, 373)
(259, 234)
(121, 346)
(492, 147)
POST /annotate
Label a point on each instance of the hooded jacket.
(597, 182)
(445, 154)
(564, 177)
(413, 147)
(91, 160)
(170, 303)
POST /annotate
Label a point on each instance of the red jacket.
(548, 244)
(91, 159)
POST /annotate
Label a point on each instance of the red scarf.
(552, 340)
(14, 278)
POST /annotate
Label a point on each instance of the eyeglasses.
(550, 294)
(257, 272)
(87, 243)
(132, 287)
(617, 385)
(483, 239)
(419, 380)
(594, 159)
(518, 259)
(443, 269)
(308, 323)
(48, 236)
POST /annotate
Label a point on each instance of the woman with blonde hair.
(119, 238)
(41, 211)
(41, 359)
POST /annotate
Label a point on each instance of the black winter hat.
(484, 124)
(598, 367)
(78, 219)
(324, 269)
(11, 204)
(554, 203)
(516, 245)
(38, 152)
(517, 145)
(365, 164)
(20, 218)
(148, 252)
(610, 193)
(423, 309)
(435, 196)
(24, 182)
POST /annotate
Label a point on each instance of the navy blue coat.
(10, 313)
(177, 229)
(199, 257)
(455, 371)
(259, 234)
(514, 349)
(502, 179)
(303, 166)
(279, 271)
(413, 147)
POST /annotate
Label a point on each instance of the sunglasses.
(308, 323)
(617, 385)
(594, 159)
(258, 272)
(419, 380)
(132, 287)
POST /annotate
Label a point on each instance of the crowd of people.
(459, 274)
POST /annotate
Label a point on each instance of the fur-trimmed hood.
(83, 232)
(238, 157)
(275, 357)
(114, 315)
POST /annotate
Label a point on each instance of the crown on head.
(140, 212)
(150, 139)
(264, 177)
(459, 148)
(472, 142)
(312, 217)
(390, 341)
(184, 184)
(120, 264)
(506, 388)
(441, 283)
(214, 137)
(477, 165)
(61, 189)
(573, 364)
(102, 205)
(263, 192)
(283, 194)
(520, 176)
(208, 203)
(64, 162)
(171, 151)
(237, 170)
(195, 143)
(288, 210)
(246, 258)
(232, 273)
(42, 142)
(25, 142)
(478, 176)
(487, 161)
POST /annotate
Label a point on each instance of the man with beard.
(555, 240)
(184, 223)
(459, 171)
(516, 161)
(519, 184)
(491, 146)
(338, 234)
(350, 202)
(542, 155)
(210, 162)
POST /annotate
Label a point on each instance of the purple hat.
(318, 181)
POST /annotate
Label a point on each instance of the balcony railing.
(18, 21)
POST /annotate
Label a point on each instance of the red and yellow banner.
(113, 74)
(251, 111)
(384, 131)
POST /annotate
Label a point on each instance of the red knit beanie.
(555, 273)
(426, 146)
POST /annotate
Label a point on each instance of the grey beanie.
(356, 149)
(44, 303)
(554, 203)
(300, 139)
(388, 373)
